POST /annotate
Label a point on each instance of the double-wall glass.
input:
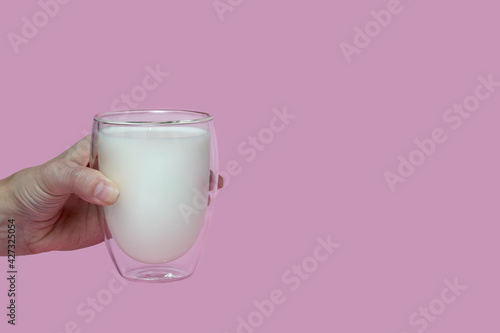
(165, 164)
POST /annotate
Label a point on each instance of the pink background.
(323, 175)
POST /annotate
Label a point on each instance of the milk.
(158, 169)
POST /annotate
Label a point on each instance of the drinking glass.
(165, 164)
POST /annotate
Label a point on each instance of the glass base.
(156, 274)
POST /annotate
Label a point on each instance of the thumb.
(61, 177)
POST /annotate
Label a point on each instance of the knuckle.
(64, 173)
(79, 152)
(82, 178)
(50, 172)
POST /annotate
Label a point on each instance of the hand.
(54, 204)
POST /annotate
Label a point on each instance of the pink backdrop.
(374, 158)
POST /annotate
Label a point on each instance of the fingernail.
(220, 183)
(106, 192)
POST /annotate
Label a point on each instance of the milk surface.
(158, 169)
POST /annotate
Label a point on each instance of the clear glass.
(165, 163)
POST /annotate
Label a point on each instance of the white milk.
(158, 170)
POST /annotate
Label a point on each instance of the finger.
(212, 181)
(78, 153)
(62, 177)
(220, 182)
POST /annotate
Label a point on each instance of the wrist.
(7, 214)
(4, 215)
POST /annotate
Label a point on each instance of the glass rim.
(202, 117)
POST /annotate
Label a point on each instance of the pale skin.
(54, 204)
